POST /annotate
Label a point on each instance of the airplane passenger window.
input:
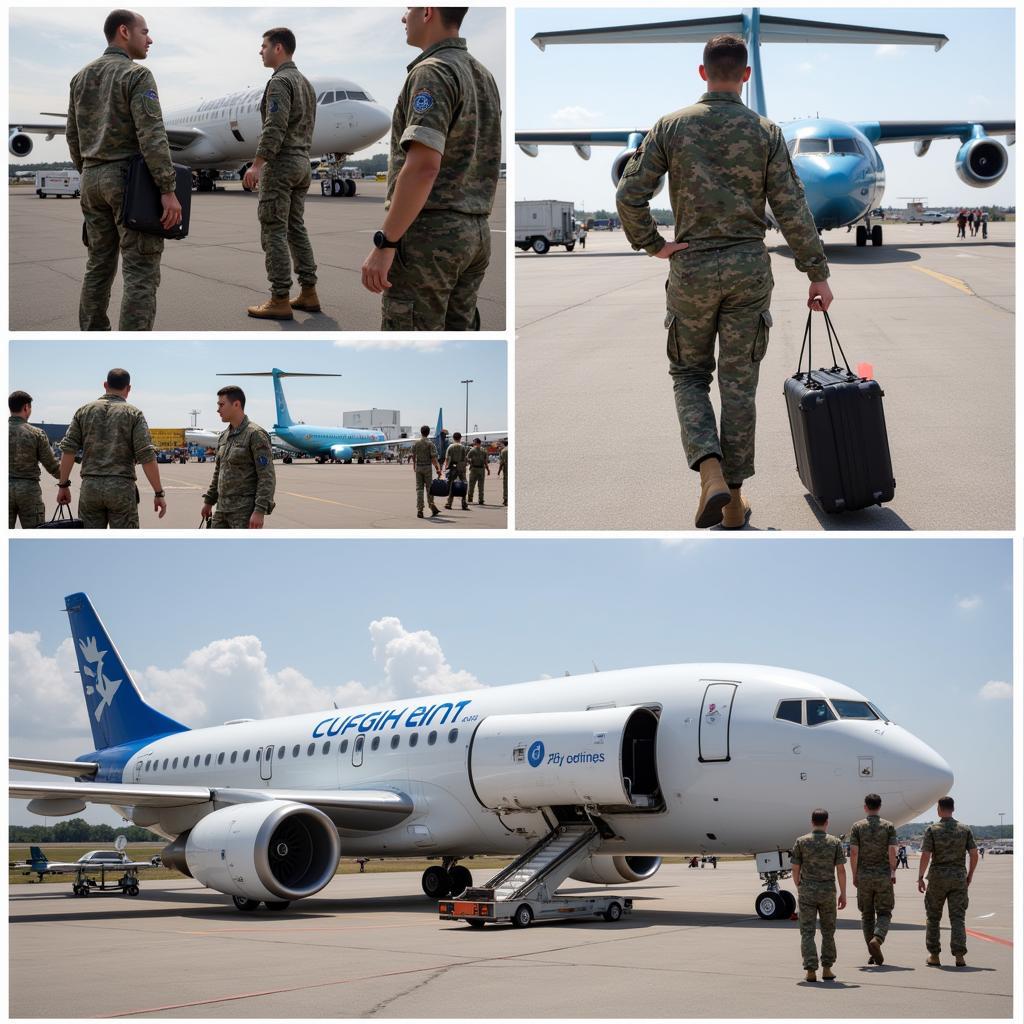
(311, 750)
(234, 756)
(813, 146)
(148, 763)
(259, 751)
(853, 709)
(845, 146)
(375, 744)
(414, 738)
(358, 96)
(207, 761)
(432, 738)
(295, 750)
(165, 764)
(394, 741)
(245, 756)
(220, 758)
(327, 747)
(280, 753)
(818, 711)
(453, 735)
(790, 711)
(174, 763)
(342, 746)
(360, 741)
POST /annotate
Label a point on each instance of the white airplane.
(709, 758)
(202, 437)
(221, 134)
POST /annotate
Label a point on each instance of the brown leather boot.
(961, 962)
(736, 514)
(277, 307)
(714, 494)
(827, 975)
(933, 960)
(875, 945)
(308, 300)
(810, 976)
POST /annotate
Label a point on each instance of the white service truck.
(58, 183)
(543, 223)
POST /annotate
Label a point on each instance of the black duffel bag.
(439, 488)
(62, 519)
(142, 208)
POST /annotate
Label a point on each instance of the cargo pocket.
(398, 315)
(764, 324)
(672, 343)
(142, 243)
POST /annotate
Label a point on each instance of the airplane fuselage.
(334, 441)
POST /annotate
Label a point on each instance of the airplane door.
(715, 716)
(138, 771)
(357, 751)
(267, 764)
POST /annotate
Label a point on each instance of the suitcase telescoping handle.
(830, 331)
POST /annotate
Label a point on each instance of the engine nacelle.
(616, 870)
(619, 164)
(981, 162)
(19, 144)
(267, 850)
(342, 452)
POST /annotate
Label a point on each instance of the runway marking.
(328, 501)
(953, 282)
(981, 917)
(989, 938)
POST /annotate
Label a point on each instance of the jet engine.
(342, 452)
(272, 850)
(981, 162)
(20, 143)
(616, 870)
(619, 164)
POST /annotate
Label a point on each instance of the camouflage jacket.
(243, 477)
(874, 837)
(456, 455)
(818, 853)
(28, 446)
(477, 458)
(288, 109)
(113, 436)
(114, 114)
(948, 842)
(450, 103)
(423, 453)
(724, 162)
(503, 460)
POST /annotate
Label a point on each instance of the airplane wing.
(409, 440)
(49, 130)
(71, 768)
(595, 137)
(177, 138)
(181, 138)
(919, 131)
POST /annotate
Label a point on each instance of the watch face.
(378, 239)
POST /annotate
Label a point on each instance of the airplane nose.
(379, 121)
(836, 189)
(921, 774)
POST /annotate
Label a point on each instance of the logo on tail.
(106, 688)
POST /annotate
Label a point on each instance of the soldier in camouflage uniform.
(443, 173)
(424, 458)
(113, 436)
(477, 465)
(243, 476)
(455, 466)
(28, 447)
(723, 162)
(873, 845)
(817, 859)
(282, 171)
(503, 471)
(113, 115)
(944, 846)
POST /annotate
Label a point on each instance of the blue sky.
(171, 378)
(924, 628)
(631, 86)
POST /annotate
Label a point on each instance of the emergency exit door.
(715, 715)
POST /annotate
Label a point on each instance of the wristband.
(158, 494)
(67, 483)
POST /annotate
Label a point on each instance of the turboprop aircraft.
(837, 161)
(704, 758)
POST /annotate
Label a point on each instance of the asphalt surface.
(372, 946)
(933, 316)
(209, 278)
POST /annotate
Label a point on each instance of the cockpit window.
(878, 711)
(853, 709)
(818, 711)
(791, 146)
(845, 146)
(358, 96)
(812, 146)
(328, 97)
(790, 711)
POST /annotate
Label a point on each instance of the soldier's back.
(101, 95)
(873, 839)
(818, 854)
(948, 842)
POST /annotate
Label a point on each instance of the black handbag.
(62, 519)
(142, 207)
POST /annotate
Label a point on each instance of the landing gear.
(277, 905)
(204, 181)
(862, 236)
(876, 235)
(244, 904)
(287, 460)
(868, 230)
(436, 883)
(461, 879)
(770, 906)
(774, 903)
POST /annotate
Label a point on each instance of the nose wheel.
(872, 231)
(774, 906)
(440, 882)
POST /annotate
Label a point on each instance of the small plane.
(837, 161)
(625, 766)
(94, 862)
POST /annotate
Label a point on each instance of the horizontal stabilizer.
(73, 769)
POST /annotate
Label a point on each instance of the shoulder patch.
(422, 101)
(261, 460)
(150, 94)
(273, 106)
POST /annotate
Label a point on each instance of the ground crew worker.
(455, 466)
(944, 846)
(818, 860)
(113, 436)
(243, 474)
(281, 169)
(503, 471)
(424, 456)
(443, 173)
(723, 163)
(28, 448)
(873, 845)
(113, 115)
(477, 464)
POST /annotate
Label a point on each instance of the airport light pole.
(194, 414)
(467, 383)
(1002, 833)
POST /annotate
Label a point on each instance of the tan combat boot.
(275, 308)
(736, 514)
(308, 300)
(875, 945)
(714, 494)
(933, 960)
(961, 962)
(827, 975)
(810, 976)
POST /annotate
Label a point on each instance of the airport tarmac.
(209, 278)
(320, 497)
(596, 427)
(372, 946)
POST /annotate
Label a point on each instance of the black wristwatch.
(67, 483)
(380, 240)
(158, 494)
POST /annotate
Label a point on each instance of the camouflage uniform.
(948, 842)
(243, 476)
(477, 472)
(113, 437)
(723, 163)
(450, 103)
(874, 837)
(288, 109)
(503, 473)
(423, 455)
(455, 462)
(817, 853)
(113, 115)
(28, 446)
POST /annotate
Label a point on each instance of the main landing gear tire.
(350, 188)
(540, 246)
(244, 904)
(436, 883)
(570, 246)
(614, 912)
(523, 917)
(277, 905)
(862, 236)
(790, 902)
(131, 890)
(876, 235)
(460, 879)
(770, 906)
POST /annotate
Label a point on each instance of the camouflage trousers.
(875, 901)
(232, 519)
(283, 187)
(436, 274)
(108, 501)
(504, 486)
(106, 236)
(476, 479)
(25, 502)
(723, 292)
(423, 479)
(951, 892)
(817, 903)
(455, 473)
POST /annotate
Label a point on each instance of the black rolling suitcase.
(142, 209)
(839, 437)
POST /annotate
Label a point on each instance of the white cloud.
(890, 50)
(414, 662)
(576, 116)
(45, 698)
(996, 691)
(805, 66)
(969, 604)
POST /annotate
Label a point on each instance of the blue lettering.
(316, 732)
(337, 727)
(434, 710)
(415, 717)
(394, 717)
(459, 708)
(350, 723)
(369, 721)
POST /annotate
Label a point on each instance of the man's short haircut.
(476, 440)
(451, 17)
(233, 393)
(424, 431)
(118, 379)
(872, 801)
(819, 816)
(946, 803)
(284, 36)
(457, 436)
(115, 19)
(725, 58)
(17, 400)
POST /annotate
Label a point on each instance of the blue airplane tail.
(284, 418)
(117, 712)
(36, 855)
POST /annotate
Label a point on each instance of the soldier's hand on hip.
(171, 216)
(256, 521)
(670, 249)
(160, 507)
(819, 296)
(375, 270)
